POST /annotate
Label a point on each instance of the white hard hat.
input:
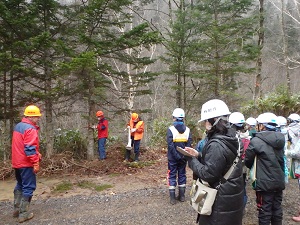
(294, 117)
(281, 121)
(178, 113)
(268, 118)
(213, 108)
(251, 121)
(236, 118)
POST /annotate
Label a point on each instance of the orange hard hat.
(99, 113)
(134, 116)
(32, 110)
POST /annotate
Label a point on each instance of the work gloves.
(36, 167)
(133, 130)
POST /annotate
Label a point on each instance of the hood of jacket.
(230, 140)
(179, 126)
(272, 138)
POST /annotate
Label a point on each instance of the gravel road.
(143, 206)
(146, 206)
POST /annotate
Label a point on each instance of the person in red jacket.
(25, 161)
(102, 128)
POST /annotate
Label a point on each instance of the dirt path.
(135, 198)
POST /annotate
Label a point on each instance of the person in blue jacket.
(177, 135)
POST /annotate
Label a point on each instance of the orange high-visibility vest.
(138, 134)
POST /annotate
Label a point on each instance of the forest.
(75, 57)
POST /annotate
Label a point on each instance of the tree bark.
(284, 48)
(261, 33)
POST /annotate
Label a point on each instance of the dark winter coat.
(173, 154)
(215, 161)
(268, 146)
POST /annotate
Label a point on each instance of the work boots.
(127, 155)
(17, 201)
(172, 196)
(136, 157)
(181, 196)
(24, 215)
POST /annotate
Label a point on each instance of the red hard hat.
(99, 113)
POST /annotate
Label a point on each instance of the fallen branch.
(83, 167)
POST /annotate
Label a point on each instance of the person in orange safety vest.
(136, 126)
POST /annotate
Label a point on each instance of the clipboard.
(183, 152)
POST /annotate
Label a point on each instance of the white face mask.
(208, 126)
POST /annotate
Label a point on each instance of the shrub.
(70, 140)
(278, 102)
(159, 132)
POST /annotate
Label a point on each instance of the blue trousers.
(136, 146)
(101, 148)
(176, 170)
(26, 181)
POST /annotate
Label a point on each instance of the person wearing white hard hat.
(218, 155)
(268, 148)
(293, 137)
(178, 135)
(293, 134)
(282, 126)
(237, 122)
(251, 126)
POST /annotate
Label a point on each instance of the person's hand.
(133, 130)
(192, 151)
(40, 156)
(36, 167)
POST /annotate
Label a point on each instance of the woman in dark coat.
(217, 157)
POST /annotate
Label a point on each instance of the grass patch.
(102, 187)
(63, 187)
(91, 185)
(140, 164)
(85, 184)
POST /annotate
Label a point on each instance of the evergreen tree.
(46, 48)
(108, 54)
(180, 43)
(225, 46)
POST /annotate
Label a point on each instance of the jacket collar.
(25, 120)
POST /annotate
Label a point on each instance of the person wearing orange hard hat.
(102, 128)
(25, 161)
(136, 126)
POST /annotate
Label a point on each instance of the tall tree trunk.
(3, 142)
(261, 36)
(178, 89)
(218, 76)
(284, 48)
(91, 113)
(49, 134)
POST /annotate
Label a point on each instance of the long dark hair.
(220, 128)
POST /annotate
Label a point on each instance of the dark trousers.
(176, 169)
(136, 145)
(26, 181)
(269, 207)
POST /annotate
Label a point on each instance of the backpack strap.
(235, 161)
